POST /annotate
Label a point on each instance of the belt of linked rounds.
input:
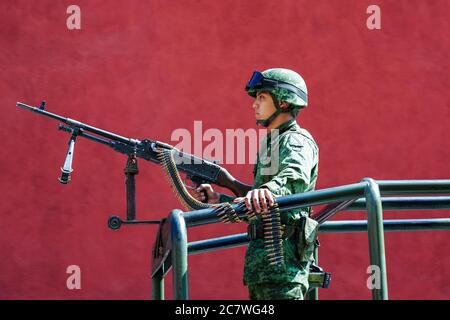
(271, 220)
(271, 224)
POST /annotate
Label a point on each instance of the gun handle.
(204, 193)
(225, 179)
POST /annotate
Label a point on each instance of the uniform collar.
(285, 126)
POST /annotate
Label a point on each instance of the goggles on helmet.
(258, 81)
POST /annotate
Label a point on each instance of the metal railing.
(172, 248)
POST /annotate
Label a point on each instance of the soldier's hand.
(199, 193)
(259, 200)
(237, 200)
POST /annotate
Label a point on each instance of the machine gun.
(197, 170)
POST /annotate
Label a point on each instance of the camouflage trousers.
(277, 291)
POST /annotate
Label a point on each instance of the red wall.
(379, 107)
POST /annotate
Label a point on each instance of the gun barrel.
(40, 111)
(78, 124)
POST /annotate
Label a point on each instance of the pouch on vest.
(307, 239)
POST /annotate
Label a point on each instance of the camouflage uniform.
(297, 172)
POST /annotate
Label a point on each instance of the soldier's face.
(263, 106)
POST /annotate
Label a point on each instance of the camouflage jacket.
(289, 166)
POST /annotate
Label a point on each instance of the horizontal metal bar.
(238, 240)
(285, 203)
(405, 203)
(347, 192)
(389, 203)
(389, 225)
(413, 186)
(213, 244)
(323, 196)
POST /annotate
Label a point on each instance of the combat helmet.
(283, 85)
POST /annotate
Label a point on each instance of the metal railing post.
(158, 287)
(376, 236)
(178, 235)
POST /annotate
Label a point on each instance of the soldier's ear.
(284, 105)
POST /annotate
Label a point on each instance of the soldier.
(279, 95)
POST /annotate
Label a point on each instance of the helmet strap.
(268, 121)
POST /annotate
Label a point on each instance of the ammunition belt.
(272, 234)
(168, 163)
